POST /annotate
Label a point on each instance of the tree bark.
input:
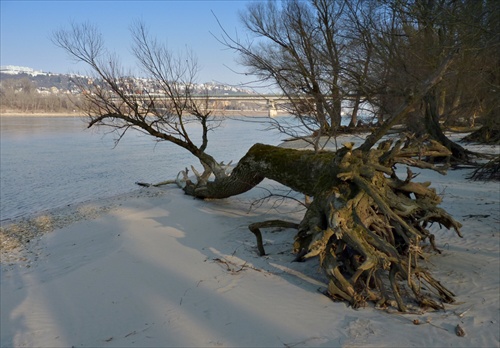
(300, 170)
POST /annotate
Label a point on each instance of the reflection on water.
(50, 162)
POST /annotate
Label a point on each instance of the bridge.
(247, 102)
(269, 104)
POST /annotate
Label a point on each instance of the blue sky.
(26, 28)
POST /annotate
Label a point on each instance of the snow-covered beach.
(158, 268)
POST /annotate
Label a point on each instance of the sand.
(158, 268)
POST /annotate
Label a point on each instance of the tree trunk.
(354, 114)
(365, 224)
(408, 106)
(300, 170)
(434, 129)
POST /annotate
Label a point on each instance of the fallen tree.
(366, 225)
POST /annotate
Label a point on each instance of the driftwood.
(255, 229)
(367, 226)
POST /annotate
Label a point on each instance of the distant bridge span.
(240, 102)
(247, 97)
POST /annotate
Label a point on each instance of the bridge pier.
(272, 110)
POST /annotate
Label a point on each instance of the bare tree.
(296, 46)
(359, 66)
(481, 89)
(111, 101)
(22, 95)
(409, 43)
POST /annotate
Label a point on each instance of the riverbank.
(233, 113)
(158, 268)
(40, 114)
(167, 270)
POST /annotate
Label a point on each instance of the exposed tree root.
(162, 183)
(367, 226)
(484, 135)
(487, 171)
(255, 229)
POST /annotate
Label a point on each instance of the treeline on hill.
(23, 95)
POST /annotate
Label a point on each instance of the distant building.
(15, 70)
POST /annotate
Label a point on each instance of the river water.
(51, 162)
